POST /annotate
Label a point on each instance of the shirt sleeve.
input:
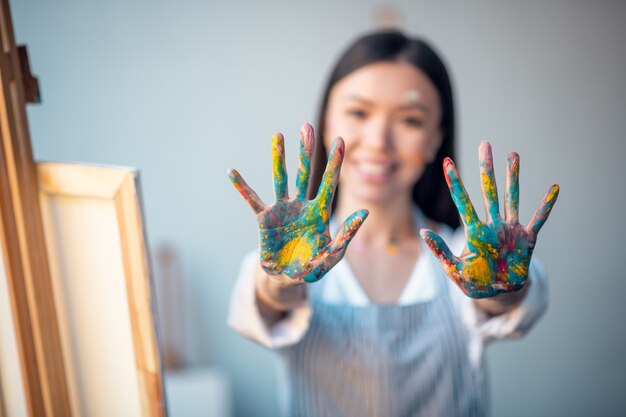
(514, 323)
(245, 318)
(518, 321)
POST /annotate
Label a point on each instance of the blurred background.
(185, 89)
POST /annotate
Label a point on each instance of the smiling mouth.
(374, 171)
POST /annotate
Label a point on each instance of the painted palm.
(498, 251)
(293, 232)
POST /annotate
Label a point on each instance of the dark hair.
(430, 193)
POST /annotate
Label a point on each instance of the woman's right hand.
(295, 244)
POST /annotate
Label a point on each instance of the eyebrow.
(409, 106)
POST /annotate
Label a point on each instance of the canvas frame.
(120, 188)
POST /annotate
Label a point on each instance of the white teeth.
(374, 169)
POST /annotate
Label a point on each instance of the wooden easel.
(37, 321)
(22, 237)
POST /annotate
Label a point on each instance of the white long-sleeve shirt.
(340, 286)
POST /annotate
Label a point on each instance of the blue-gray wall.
(184, 89)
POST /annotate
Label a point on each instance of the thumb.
(441, 251)
(333, 253)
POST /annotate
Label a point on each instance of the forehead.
(387, 83)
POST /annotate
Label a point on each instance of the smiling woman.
(388, 114)
(386, 332)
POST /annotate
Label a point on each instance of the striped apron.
(383, 360)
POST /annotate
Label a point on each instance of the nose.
(378, 134)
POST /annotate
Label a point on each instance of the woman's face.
(388, 114)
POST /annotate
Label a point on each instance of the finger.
(542, 213)
(347, 232)
(330, 179)
(334, 252)
(441, 251)
(511, 195)
(488, 183)
(279, 173)
(459, 195)
(307, 144)
(501, 287)
(246, 192)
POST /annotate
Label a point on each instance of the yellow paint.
(552, 194)
(298, 250)
(485, 248)
(277, 156)
(478, 269)
(322, 204)
(450, 269)
(489, 186)
(519, 270)
(324, 215)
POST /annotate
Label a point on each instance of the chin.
(381, 194)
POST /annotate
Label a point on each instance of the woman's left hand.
(497, 254)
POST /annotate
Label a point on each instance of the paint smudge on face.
(498, 252)
(411, 96)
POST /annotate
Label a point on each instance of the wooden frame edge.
(120, 186)
(22, 241)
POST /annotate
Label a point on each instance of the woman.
(385, 332)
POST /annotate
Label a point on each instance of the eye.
(413, 121)
(357, 113)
